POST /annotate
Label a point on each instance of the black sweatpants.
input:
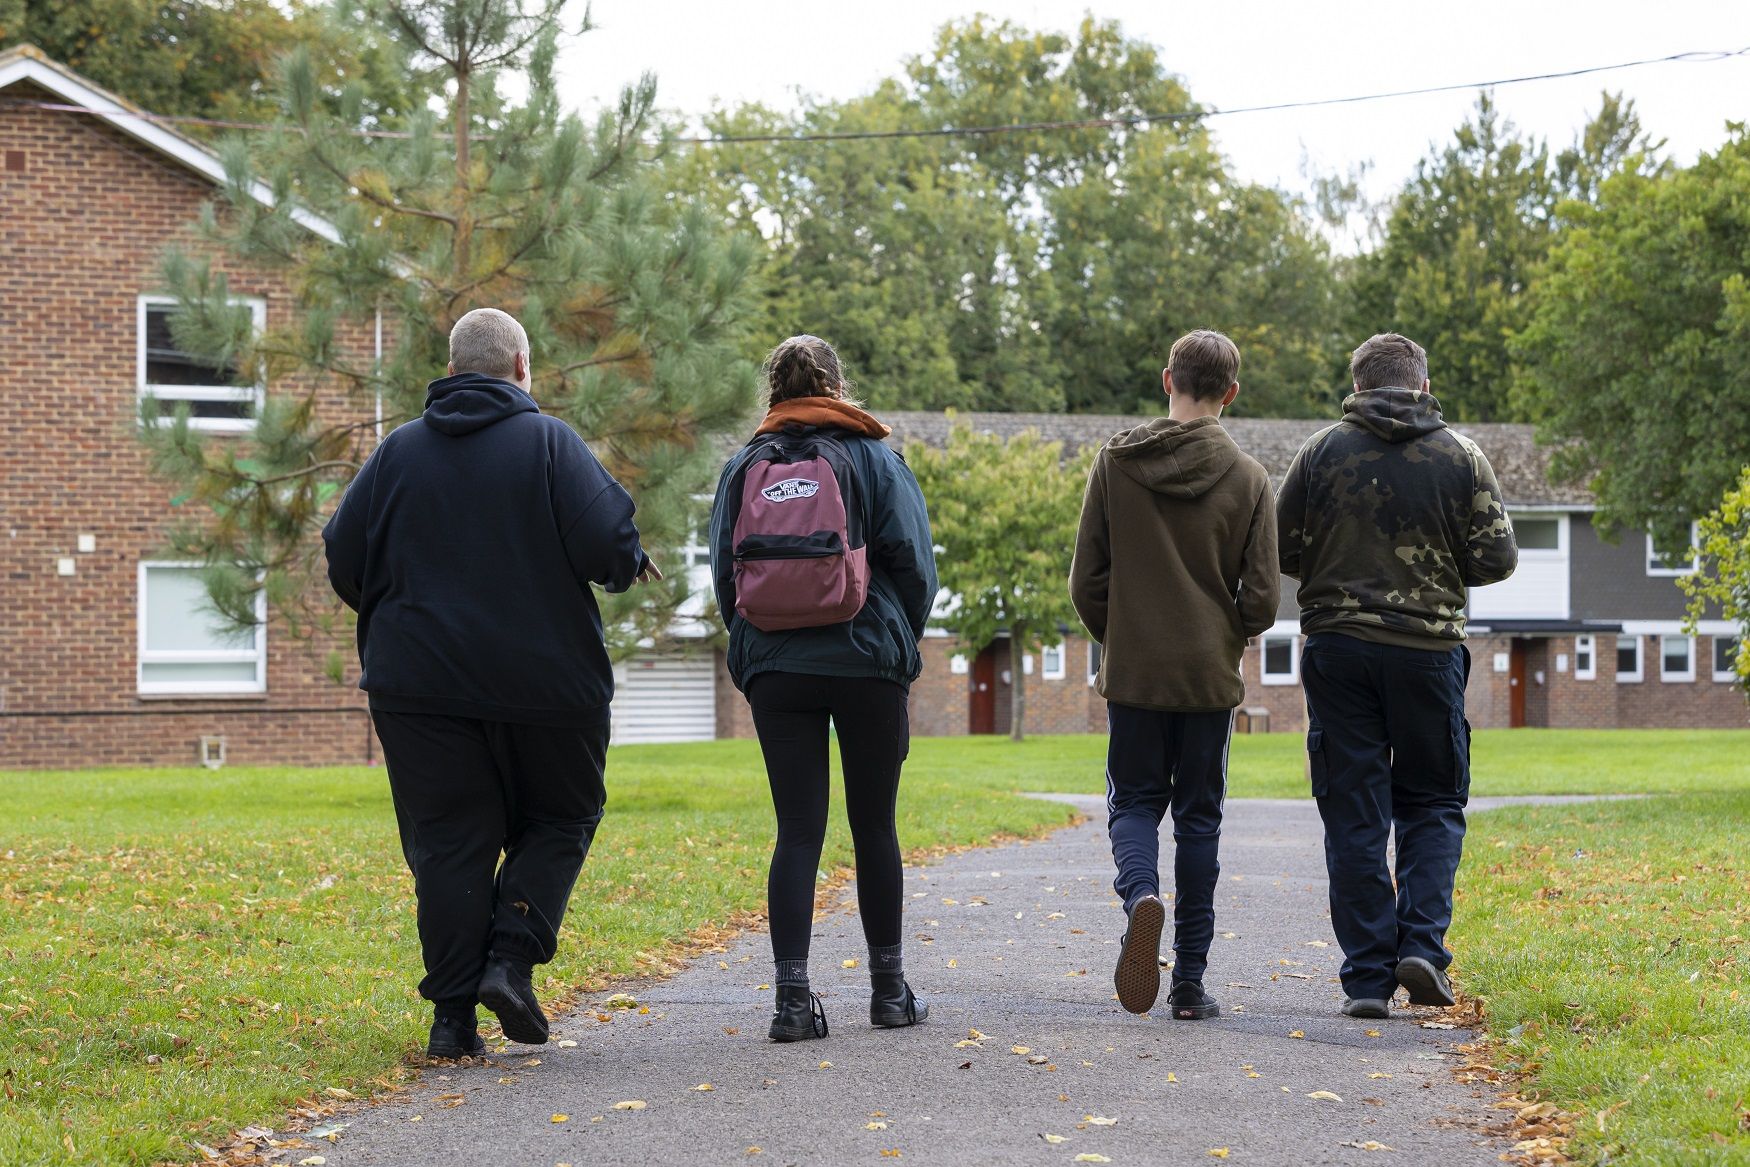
(1389, 749)
(790, 714)
(465, 792)
(1158, 761)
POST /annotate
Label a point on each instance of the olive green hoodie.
(1175, 565)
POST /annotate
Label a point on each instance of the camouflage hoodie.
(1386, 519)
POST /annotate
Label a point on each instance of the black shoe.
(892, 1004)
(1372, 1008)
(798, 1015)
(506, 989)
(1426, 984)
(1189, 1002)
(1138, 977)
(452, 1037)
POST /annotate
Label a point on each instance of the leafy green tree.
(1004, 517)
(1463, 243)
(632, 298)
(212, 58)
(1723, 582)
(1637, 356)
(1032, 270)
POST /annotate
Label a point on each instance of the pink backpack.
(800, 558)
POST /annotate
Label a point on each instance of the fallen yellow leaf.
(1090, 1157)
(892, 1153)
(1218, 1152)
(1324, 1096)
(953, 964)
(1096, 1120)
(1020, 1049)
(849, 963)
(312, 1161)
(702, 1087)
(1373, 1033)
(1253, 1074)
(826, 1065)
(1171, 1077)
(874, 1126)
(566, 1044)
(561, 1118)
(1379, 1074)
(634, 1104)
(975, 1035)
(1296, 1033)
(1054, 1139)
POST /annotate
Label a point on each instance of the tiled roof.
(1521, 464)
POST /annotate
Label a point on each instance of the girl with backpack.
(825, 575)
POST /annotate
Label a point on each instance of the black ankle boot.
(454, 1035)
(798, 1015)
(507, 989)
(892, 1004)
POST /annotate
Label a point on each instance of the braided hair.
(804, 366)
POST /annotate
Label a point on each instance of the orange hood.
(823, 412)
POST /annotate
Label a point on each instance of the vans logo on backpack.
(791, 488)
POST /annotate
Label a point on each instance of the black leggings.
(790, 714)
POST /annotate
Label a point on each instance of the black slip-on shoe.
(1188, 1002)
(1369, 1007)
(1138, 976)
(506, 989)
(797, 1015)
(452, 1038)
(1426, 984)
(892, 1004)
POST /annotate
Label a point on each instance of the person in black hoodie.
(467, 545)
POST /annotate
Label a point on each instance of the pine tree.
(633, 299)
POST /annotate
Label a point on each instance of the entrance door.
(1516, 683)
(981, 692)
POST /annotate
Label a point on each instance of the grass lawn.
(1610, 943)
(186, 953)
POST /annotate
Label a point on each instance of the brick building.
(107, 657)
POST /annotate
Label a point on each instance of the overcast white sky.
(1240, 52)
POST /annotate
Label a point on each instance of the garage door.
(661, 698)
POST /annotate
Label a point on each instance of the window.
(218, 398)
(184, 647)
(1051, 663)
(958, 665)
(1676, 658)
(1093, 661)
(1659, 565)
(1585, 658)
(1726, 658)
(1538, 534)
(1628, 658)
(1279, 663)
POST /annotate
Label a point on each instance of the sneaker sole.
(789, 1035)
(514, 1017)
(1138, 978)
(1195, 1012)
(1381, 1012)
(1422, 981)
(899, 1020)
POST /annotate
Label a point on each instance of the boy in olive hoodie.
(1175, 569)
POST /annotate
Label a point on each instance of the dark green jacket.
(882, 639)
(1387, 518)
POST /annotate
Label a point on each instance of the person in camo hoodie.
(1387, 519)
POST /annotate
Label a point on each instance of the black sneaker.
(452, 1037)
(1371, 1008)
(798, 1015)
(1138, 976)
(1426, 984)
(506, 989)
(892, 1004)
(1189, 1002)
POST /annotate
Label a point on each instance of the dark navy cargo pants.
(1389, 748)
(1156, 762)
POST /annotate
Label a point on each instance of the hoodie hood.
(1182, 459)
(825, 412)
(1397, 415)
(472, 401)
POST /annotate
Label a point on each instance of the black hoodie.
(467, 544)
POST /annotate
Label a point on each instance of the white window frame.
(1723, 676)
(1095, 652)
(1587, 644)
(1681, 675)
(169, 395)
(145, 656)
(1560, 550)
(1047, 670)
(1640, 672)
(1292, 676)
(1673, 572)
(958, 665)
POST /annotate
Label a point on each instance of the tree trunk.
(1017, 684)
(463, 257)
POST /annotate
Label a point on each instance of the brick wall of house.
(88, 214)
(1703, 703)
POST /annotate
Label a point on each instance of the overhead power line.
(1124, 121)
(1211, 112)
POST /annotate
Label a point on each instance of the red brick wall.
(85, 222)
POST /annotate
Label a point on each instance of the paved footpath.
(1016, 943)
